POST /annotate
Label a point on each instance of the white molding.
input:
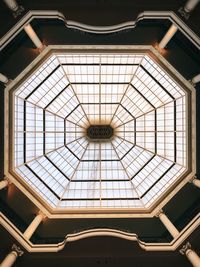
(132, 237)
(53, 14)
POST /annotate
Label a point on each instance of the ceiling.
(99, 251)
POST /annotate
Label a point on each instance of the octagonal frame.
(108, 212)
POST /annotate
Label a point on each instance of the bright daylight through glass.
(100, 131)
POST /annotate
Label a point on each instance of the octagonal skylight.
(102, 130)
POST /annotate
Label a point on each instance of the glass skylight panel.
(130, 93)
(65, 161)
(37, 185)
(38, 77)
(121, 146)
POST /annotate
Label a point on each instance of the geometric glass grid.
(131, 94)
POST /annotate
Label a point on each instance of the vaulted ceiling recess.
(99, 130)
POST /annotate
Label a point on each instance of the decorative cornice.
(185, 248)
(193, 84)
(184, 13)
(154, 15)
(18, 12)
(159, 213)
(7, 179)
(29, 246)
(44, 216)
(193, 178)
(18, 250)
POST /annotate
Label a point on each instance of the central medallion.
(99, 132)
